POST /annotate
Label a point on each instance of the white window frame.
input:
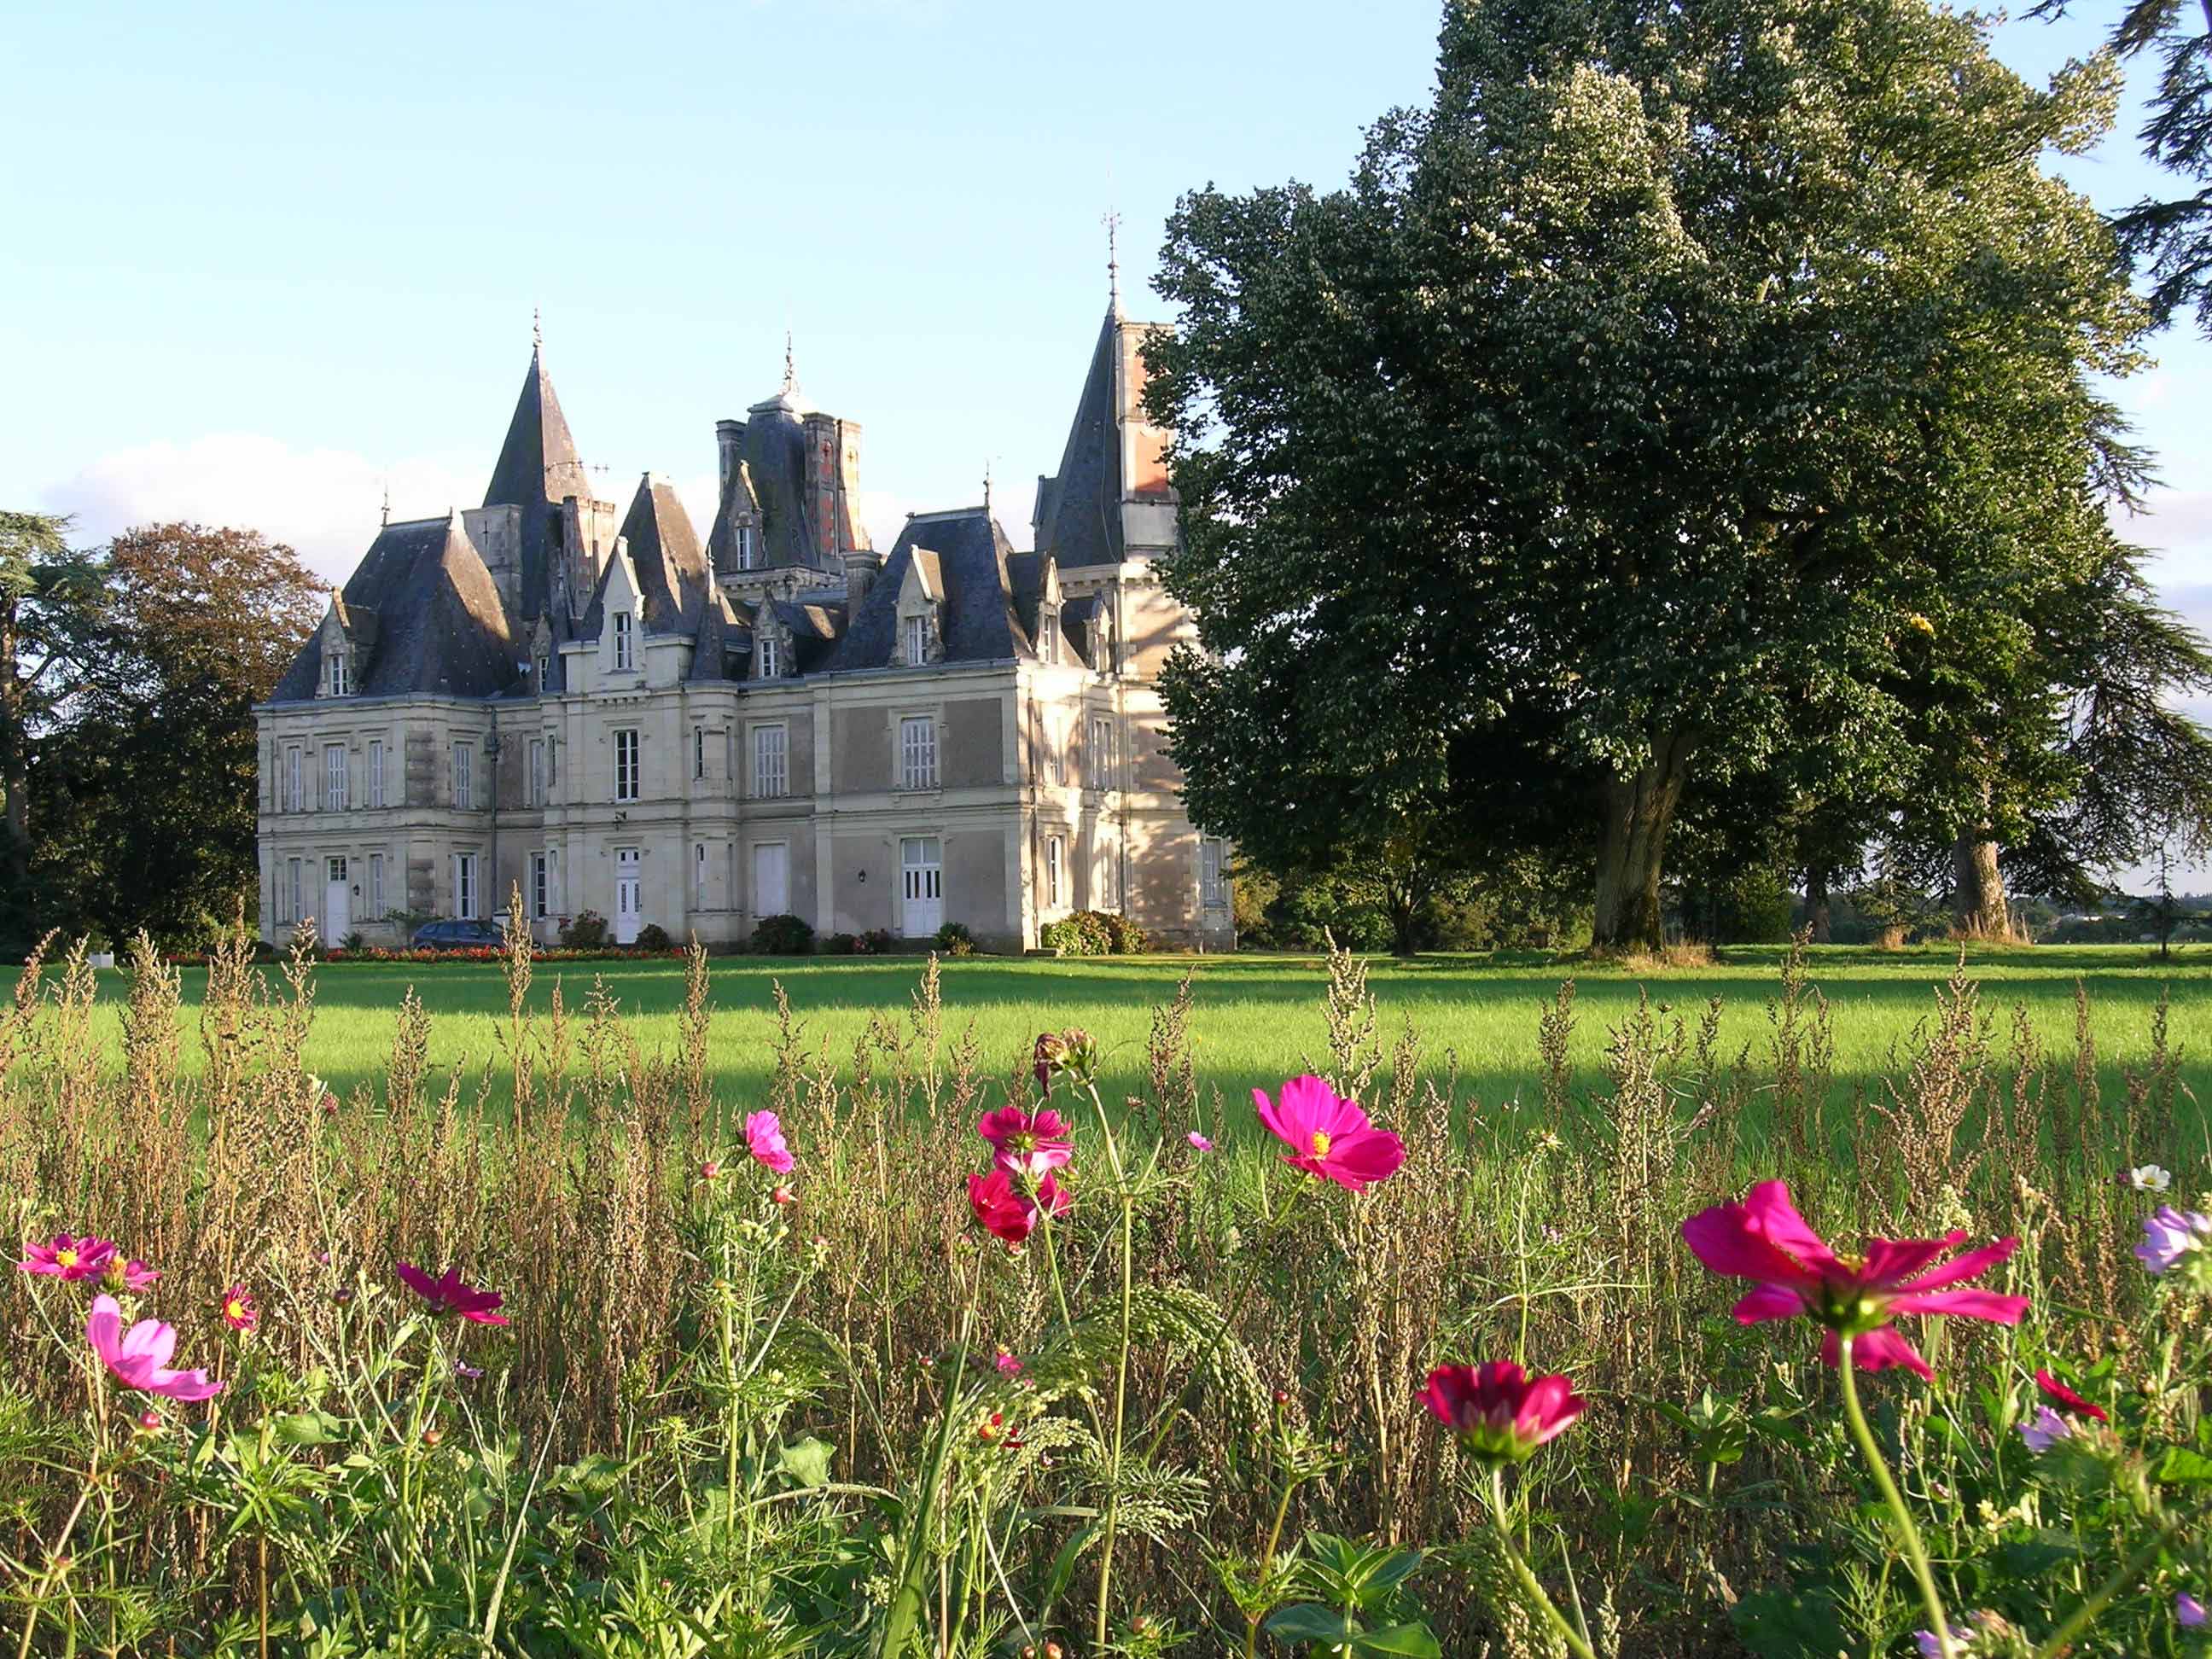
(464, 778)
(918, 751)
(917, 639)
(625, 641)
(698, 875)
(768, 650)
(292, 779)
(534, 781)
(541, 885)
(375, 887)
(295, 873)
(338, 682)
(467, 894)
(544, 671)
(338, 779)
(771, 761)
(629, 763)
(1056, 864)
(1101, 751)
(1106, 880)
(1048, 633)
(748, 547)
(698, 751)
(1213, 873)
(376, 772)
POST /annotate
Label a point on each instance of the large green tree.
(1628, 418)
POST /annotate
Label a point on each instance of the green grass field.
(1257, 1019)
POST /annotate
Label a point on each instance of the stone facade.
(601, 712)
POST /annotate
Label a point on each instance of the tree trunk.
(1816, 904)
(1403, 903)
(1638, 809)
(1977, 903)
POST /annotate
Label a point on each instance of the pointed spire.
(1112, 221)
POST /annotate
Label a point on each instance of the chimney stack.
(861, 564)
(729, 446)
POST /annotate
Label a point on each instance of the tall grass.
(690, 1363)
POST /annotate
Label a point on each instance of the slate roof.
(979, 623)
(773, 456)
(723, 633)
(1078, 626)
(537, 465)
(440, 630)
(1079, 510)
(665, 552)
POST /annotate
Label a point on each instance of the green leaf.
(1413, 1640)
(1308, 1621)
(307, 1429)
(807, 1461)
(2182, 1467)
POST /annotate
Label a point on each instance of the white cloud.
(324, 504)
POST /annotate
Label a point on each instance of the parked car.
(456, 936)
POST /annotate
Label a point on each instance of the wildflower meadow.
(932, 1351)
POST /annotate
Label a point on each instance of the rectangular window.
(1055, 751)
(626, 763)
(292, 781)
(625, 645)
(376, 887)
(1101, 752)
(1055, 857)
(1106, 884)
(771, 762)
(917, 640)
(1213, 874)
(748, 548)
(340, 681)
(541, 885)
(337, 791)
(771, 656)
(292, 897)
(376, 771)
(698, 875)
(1048, 636)
(545, 672)
(698, 751)
(464, 778)
(918, 752)
(535, 785)
(464, 886)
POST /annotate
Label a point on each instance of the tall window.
(292, 875)
(376, 887)
(1106, 885)
(917, 640)
(337, 674)
(1048, 634)
(626, 766)
(698, 875)
(292, 766)
(918, 752)
(698, 751)
(464, 778)
(770, 651)
(537, 779)
(541, 885)
(1055, 861)
(337, 795)
(1213, 874)
(1101, 752)
(771, 762)
(625, 644)
(1055, 751)
(544, 671)
(376, 771)
(464, 886)
(748, 548)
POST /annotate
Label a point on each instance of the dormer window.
(748, 540)
(769, 650)
(625, 641)
(338, 675)
(544, 671)
(917, 639)
(1048, 634)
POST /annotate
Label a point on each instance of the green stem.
(2122, 1576)
(52, 1574)
(1267, 1565)
(1529, 1582)
(1111, 1519)
(1909, 1534)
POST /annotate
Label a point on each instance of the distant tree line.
(128, 678)
(1678, 459)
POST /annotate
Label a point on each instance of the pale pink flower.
(139, 1358)
(764, 1138)
(2047, 1429)
(1199, 1142)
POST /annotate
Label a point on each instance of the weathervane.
(987, 484)
(537, 333)
(1112, 221)
(790, 370)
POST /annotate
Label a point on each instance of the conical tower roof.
(537, 466)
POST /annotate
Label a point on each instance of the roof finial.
(1112, 221)
(387, 498)
(987, 484)
(537, 333)
(790, 371)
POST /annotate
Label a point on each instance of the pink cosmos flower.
(1008, 1212)
(1025, 1145)
(1498, 1411)
(139, 1358)
(449, 1296)
(238, 1311)
(2170, 1235)
(764, 1136)
(1007, 1364)
(1328, 1136)
(1199, 1142)
(68, 1258)
(134, 1275)
(2067, 1399)
(1765, 1240)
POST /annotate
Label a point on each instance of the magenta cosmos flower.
(1765, 1240)
(2066, 1399)
(449, 1296)
(1026, 1144)
(134, 1275)
(1008, 1212)
(764, 1137)
(1328, 1136)
(139, 1358)
(69, 1258)
(238, 1311)
(1500, 1413)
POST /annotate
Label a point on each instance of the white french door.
(336, 920)
(772, 879)
(921, 865)
(629, 894)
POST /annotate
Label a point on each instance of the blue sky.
(265, 257)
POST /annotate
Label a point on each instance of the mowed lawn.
(1258, 1018)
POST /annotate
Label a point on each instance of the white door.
(921, 861)
(630, 895)
(772, 879)
(337, 920)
